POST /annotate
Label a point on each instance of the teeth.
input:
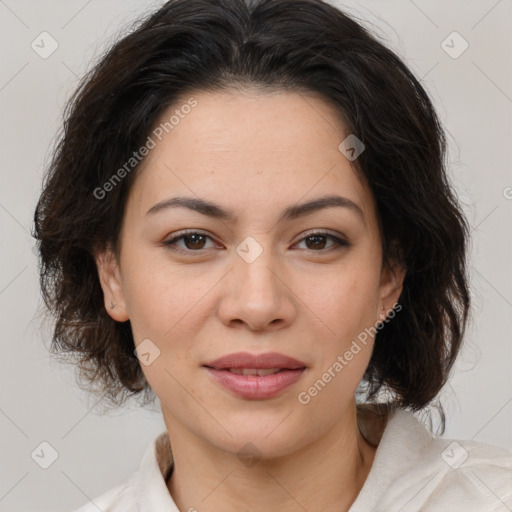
(254, 371)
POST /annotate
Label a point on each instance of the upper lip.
(257, 361)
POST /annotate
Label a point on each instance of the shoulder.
(445, 474)
(121, 498)
(145, 489)
(473, 475)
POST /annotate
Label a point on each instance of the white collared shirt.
(412, 471)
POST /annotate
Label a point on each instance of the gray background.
(39, 400)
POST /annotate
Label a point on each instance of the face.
(257, 261)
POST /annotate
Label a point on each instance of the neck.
(206, 477)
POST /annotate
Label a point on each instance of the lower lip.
(255, 386)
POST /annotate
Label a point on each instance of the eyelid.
(339, 240)
(320, 231)
(181, 234)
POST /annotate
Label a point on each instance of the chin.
(271, 433)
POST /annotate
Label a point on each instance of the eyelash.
(170, 244)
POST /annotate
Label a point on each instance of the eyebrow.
(216, 211)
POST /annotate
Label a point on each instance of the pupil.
(196, 239)
(316, 243)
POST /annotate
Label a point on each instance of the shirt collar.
(154, 470)
(157, 462)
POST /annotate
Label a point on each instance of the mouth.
(259, 376)
(260, 372)
(271, 362)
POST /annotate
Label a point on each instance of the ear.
(111, 283)
(391, 286)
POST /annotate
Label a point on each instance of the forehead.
(249, 148)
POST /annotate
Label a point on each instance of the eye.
(317, 241)
(193, 241)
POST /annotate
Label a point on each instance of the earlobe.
(111, 283)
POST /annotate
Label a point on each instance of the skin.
(256, 154)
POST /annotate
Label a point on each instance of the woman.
(248, 217)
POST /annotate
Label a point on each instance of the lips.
(253, 377)
(266, 361)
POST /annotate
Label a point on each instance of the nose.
(257, 296)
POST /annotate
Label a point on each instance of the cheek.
(158, 296)
(168, 306)
(348, 309)
(165, 307)
(346, 300)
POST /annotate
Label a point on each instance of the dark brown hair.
(295, 45)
